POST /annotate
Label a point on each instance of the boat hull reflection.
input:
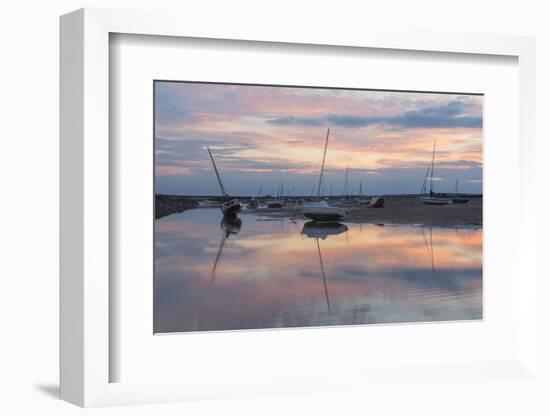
(322, 230)
(231, 224)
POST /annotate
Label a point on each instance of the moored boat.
(230, 206)
(253, 203)
(274, 204)
(460, 200)
(436, 200)
(207, 203)
(432, 198)
(321, 210)
(457, 198)
(377, 202)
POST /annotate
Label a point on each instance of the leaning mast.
(323, 165)
(217, 173)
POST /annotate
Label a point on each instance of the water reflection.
(320, 230)
(266, 274)
(230, 224)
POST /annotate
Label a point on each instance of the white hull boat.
(208, 204)
(321, 211)
(431, 197)
(231, 207)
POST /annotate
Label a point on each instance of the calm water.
(278, 273)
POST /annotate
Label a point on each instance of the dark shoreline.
(172, 204)
(398, 210)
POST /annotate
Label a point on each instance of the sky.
(273, 138)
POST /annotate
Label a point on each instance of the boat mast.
(456, 186)
(346, 193)
(217, 173)
(432, 171)
(423, 189)
(323, 165)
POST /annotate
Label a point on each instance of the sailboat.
(230, 206)
(321, 210)
(457, 199)
(432, 198)
(347, 200)
(254, 202)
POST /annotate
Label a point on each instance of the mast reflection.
(430, 247)
(230, 225)
(322, 230)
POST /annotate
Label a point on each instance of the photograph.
(281, 206)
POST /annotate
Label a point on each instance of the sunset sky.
(268, 136)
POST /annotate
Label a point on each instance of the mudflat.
(399, 210)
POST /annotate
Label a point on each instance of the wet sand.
(398, 210)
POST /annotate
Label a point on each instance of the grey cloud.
(444, 116)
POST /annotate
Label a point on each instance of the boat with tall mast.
(347, 199)
(432, 198)
(230, 206)
(321, 210)
(457, 198)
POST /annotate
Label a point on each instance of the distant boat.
(377, 202)
(253, 203)
(436, 200)
(207, 203)
(274, 204)
(321, 210)
(231, 206)
(432, 198)
(350, 202)
(458, 199)
(347, 201)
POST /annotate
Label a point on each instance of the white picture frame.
(85, 211)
